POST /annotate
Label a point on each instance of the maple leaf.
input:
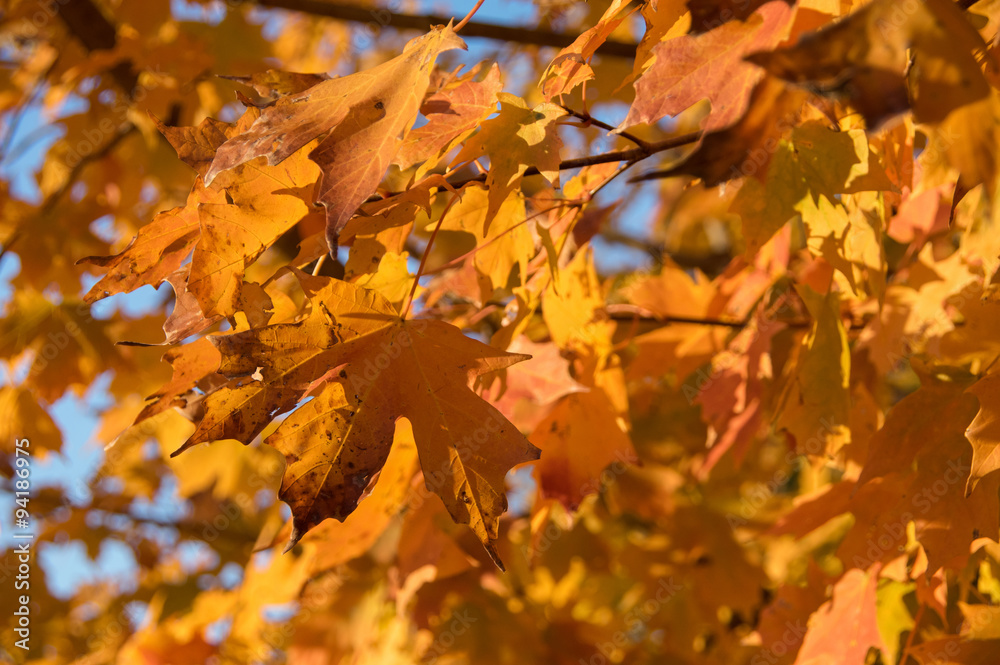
(676, 348)
(157, 251)
(866, 58)
(197, 146)
(24, 418)
(848, 243)
(917, 469)
(571, 65)
(816, 402)
(453, 112)
(363, 115)
(709, 66)
(669, 343)
(710, 14)
(661, 19)
(272, 84)
(982, 432)
(507, 244)
(813, 163)
(843, 629)
(731, 402)
(343, 541)
(388, 368)
(518, 137)
(739, 150)
(535, 385)
(262, 203)
(579, 438)
(186, 319)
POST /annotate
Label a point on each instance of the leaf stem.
(468, 17)
(427, 252)
(913, 632)
(319, 264)
(458, 260)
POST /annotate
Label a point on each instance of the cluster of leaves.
(774, 438)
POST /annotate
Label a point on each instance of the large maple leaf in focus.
(366, 368)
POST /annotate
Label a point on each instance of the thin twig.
(913, 632)
(591, 120)
(626, 312)
(53, 199)
(632, 155)
(459, 260)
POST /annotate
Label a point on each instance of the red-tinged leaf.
(984, 431)
(708, 15)
(738, 150)
(452, 113)
(844, 628)
(533, 386)
(921, 216)
(709, 66)
(731, 402)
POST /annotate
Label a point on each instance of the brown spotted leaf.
(377, 368)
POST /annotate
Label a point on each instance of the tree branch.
(86, 23)
(591, 120)
(632, 155)
(49, 204)
(383, 18)
(627, 312)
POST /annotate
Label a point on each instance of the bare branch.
(383, 18)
